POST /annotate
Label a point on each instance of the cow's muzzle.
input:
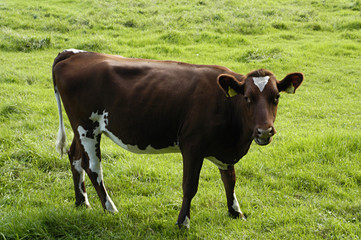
(264, 136)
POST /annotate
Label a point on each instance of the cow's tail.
(61, 139)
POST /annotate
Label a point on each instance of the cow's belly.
(103, 127)
(135, 149)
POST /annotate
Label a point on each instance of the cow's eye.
(248, 100)
(276, 99)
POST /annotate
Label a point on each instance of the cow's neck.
(242, 128)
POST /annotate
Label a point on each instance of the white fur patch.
(135, 149)
(261, 82)
(89, 147)
(235, 205)
(110, 205)
(77, 166)
(90, 143)
(102, 119)
(186, 222)
(74, 50)
(219, 164)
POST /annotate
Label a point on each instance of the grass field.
(305, 185)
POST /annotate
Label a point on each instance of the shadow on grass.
(81, 223)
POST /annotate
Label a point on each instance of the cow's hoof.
(82, 204)
(185, 224)
(237, 215)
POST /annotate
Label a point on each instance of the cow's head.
(259, 92)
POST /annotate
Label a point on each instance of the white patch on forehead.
(74, 50)
(219, 164)
(261, 82)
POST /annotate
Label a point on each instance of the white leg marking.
(186, 222)
(235, 205)
(110, 205)
(261, 82)
(89, 147)
(77, 166)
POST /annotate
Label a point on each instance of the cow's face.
(260, 92)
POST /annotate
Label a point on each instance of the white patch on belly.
(73, 50)
(219, 164)
(235, 205)
(135, 149)
(102, 119)
(261, 82)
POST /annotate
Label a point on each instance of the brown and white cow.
(148, 106)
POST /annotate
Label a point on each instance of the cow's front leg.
(192, 165)
(229, 181)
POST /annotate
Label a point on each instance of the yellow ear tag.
(290, 89)
(232, 92)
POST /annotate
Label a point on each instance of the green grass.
(305, 185)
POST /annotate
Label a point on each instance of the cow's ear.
(230, 85)
(290, 83)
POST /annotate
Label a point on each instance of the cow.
(150, 106)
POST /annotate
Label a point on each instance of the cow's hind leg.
(75, 156)
(90, 140)
(229, 181)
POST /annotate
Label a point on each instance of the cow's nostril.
(259, 131)
(265, 133)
